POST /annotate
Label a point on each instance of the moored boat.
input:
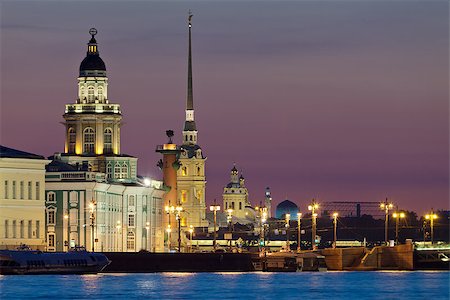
(76, 261)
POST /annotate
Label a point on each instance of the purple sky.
(339, 100)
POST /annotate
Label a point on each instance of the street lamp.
(92, 205)
(66, 217)
(397, 216)
(386, 206)
(191, 230)
(299, 239)
(263, 227)
(118, 227)
(169, 210)
(287, 219)
(230, 223)
(335, 215)
(431, 216)
(313, 207)
(214, 208)
(147, 227)
(178, 210)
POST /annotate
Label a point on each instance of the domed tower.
(286, 207)
(235, 195)
(93, 123)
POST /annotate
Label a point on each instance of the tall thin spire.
(190, 96)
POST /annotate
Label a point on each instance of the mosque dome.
(286, 207)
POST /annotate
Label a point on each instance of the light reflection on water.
(258, 285)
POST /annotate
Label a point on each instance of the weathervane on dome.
(92, 31)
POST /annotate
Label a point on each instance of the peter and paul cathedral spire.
(190, 129)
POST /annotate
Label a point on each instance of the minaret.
(268, 202)
(190, 129)
(191, 181)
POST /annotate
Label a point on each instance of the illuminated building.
(235, 196)
(191, 181)
(92, 189)
(22, 199)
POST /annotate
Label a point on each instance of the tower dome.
(286, 207)
(92, 64)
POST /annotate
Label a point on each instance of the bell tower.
(191, 180)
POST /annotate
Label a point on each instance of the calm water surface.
(335, 285)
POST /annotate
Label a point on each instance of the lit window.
(124, 171)
(90, 94)
(117, 170)
(184, 171)
(72, 140)
(130, 240)
(100, 93)
(109, 170)
(107, 140)
(183, 196)
(89, 140)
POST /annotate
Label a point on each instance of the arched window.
(124, 171)
(51, 197)
(109, 170)
(91, 94)
(130, 241)
(72, 139)
(51, 216)
(100, 93)
(89, 140)
(184, 171)
(107, 140)
(199, 171)
(117, 170)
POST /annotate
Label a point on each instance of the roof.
(191, 149)
(92, 62)
(14, 153)
(60, 166)
(190, 126)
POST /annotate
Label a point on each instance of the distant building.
(235, 196)
(22, 199)
(268, 202)
(352, 209)
(93, 195)
(286, 207)
(191, 181)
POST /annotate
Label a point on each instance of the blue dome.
(286, 207)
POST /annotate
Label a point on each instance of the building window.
(183, 196)
(51, 240)
(109, 170)
(38, 229)
(51, 197)
(6, 229)
(72, 140)
(51, 217)
(89, 140)
(14, 229)
(21, 190)
(240, 205)
(130, 220)
(22, 229)
(199, 171)
(232, 205)
(100, 93)
(38, 191)
(107, 139)
(117, 170)
(131, 201)
(124, 171)
(30, 196)
(14, 189)
(91, 94)
(184, 171)
(30, 229)
(6, 189)
(130, 240)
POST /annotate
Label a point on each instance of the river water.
(307, 285)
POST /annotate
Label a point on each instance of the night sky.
(337, 100)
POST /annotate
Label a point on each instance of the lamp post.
(335, 215)
(397, 216)
(263, 227)
(191, 230)
(230, 221)
(431, 216)
(287, 219)
(178, 210)
(299, 231)
(92, 217)
(147, 227)
(214, 208)
(386, 206)
(313, 207)
(66, 217)
(118, 227)
(169, 210)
